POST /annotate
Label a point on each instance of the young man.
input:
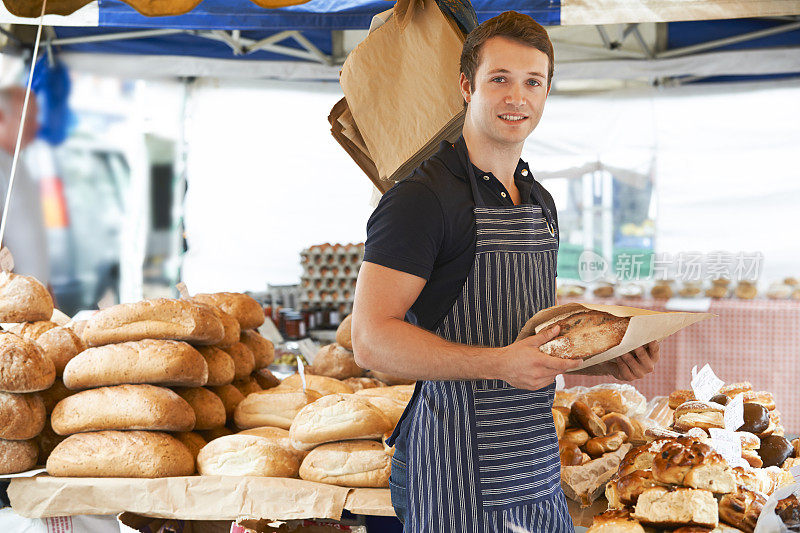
(465, 250)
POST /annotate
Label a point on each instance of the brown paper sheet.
(645, 326)
(346, 133)
(586, 483)
(187, 498)
(374, 502)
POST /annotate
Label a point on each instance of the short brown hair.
(511, 25)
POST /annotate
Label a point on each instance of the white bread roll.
(22, 416)
(122, 407)
(139, 454)
(230, 396)
(23, 299)
(322, 384)
(158, 362)
(243, 361)
(401, 393)
(159, 318)
(263, 349)
(343, 336)
(23, 366)
(274, 407)
(242, 307)
(246, 455)
(221, 368)
(391, 408)
(334, 361)
(209, 411)
(59, 344)
(358, 384)
(360, 463)
(17, 455)
(337, 417)
(278, 436)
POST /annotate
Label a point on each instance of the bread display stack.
(118, 421)
(25, 369)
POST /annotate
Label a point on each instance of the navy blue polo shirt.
(425, 226)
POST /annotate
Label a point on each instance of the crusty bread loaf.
(208, 408)
(584, 333)
(337, 417)
(23, 366)
(334, 361)
(160, 318)
(221, 368)
(230, 326)
(242, 307)
(47, 441)
(122, 407)
(358, 384)
(214, 433)
(274, 407)
(402, 393)
(23, 299)
(343, 336)
(230, 396)
(349, 464)
(263, 349)
(279, 436)
(392, 409)
(22, 416)
(243, 361)
(58, 344)
(193, 441)
(322, 384)
(139, 454)
(54, 394)
(266, 379)
(160, 362)
(247, 385)
(246, 455)
(17, 455)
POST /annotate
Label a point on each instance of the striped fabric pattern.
(483, 455)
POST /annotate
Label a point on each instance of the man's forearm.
(401, 349)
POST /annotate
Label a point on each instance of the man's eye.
(535, 83)
(498, 78)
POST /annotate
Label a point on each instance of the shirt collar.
(448, 154)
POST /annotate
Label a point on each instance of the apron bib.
(482, 456)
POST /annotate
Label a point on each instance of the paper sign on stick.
(734, 413)
(6, 260)
(728, 445)
(182, 290)
(706, 384)
(301, 369)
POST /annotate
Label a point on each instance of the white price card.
(560, 384)
(6, 260)
(705, 383)
(795, 471)
(734, 413)
(728, 445)
(182, 289)
(301, 369)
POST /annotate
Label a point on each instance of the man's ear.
(465, 88)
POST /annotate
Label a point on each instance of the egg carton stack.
(25, 369)
(326, 430)
(329, 274)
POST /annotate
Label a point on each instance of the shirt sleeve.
(406, 230)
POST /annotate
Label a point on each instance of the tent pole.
(114, 36)
(728, 40)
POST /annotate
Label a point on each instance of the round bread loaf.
(278, 436)
(221, 368)
(242, 307)
(358, 384)
(54, 394)
(122, 407)
(243, 361)
(209, 411)
(22, 416)
(23, 299)
(322, 384)
(160, 318)
(17, 456)
(266, 379)
(274, 407)
(139, 454)
(246, 455)
(23, 366)
(230, 396)
(334, 361)
(160, 362)
(247, 385)
(583, 334)
(193, 441)
(337, 417)
(263, 349)
(390, 379)
(58, 344)
(343, 336)
(359, 463)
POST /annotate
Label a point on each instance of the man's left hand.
(630, 366)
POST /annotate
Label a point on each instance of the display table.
(749, 340)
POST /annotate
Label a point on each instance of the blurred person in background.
(25, 233)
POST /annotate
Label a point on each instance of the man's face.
(509, 92)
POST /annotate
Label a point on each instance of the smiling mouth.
(512, 118)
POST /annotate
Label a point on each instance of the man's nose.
(514, 95)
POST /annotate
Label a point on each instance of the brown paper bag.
(401, 86)
(645, 326)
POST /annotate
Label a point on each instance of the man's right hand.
(524, 366)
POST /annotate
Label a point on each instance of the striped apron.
(482, 456)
